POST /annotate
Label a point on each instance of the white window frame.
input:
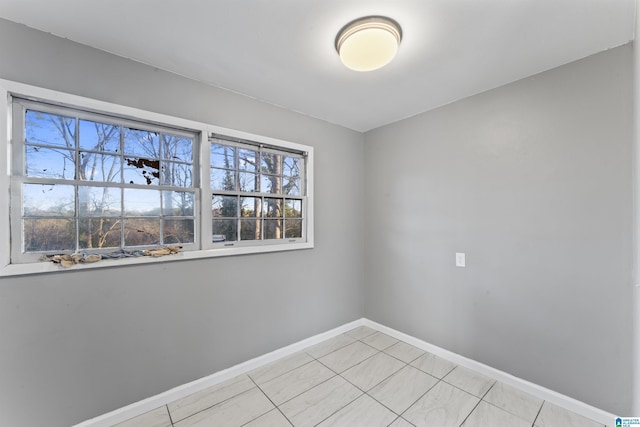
(206, 248)
(261, 147)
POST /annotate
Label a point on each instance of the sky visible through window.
(51, 153)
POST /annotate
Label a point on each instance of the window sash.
(163, 219)
(235, 170)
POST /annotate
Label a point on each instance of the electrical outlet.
(460, 259)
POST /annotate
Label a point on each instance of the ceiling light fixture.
(368, 43)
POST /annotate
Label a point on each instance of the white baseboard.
(146, 405)
(528, 387)
(153, 402)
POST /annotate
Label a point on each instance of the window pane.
(100, 233)
(273, 207)
(291, 166)
(273, 229)
(250, 229)
(177, 174)
(176, 147)
(97, 136)
(141, 202)
(224, 206)
(248, 182)
(223, 180)
(293, 228)
(250, 207)
(141, 143)
(49, 234)
(224, 230)
(99, 201)
(138, 170)
(48, 200)
(293, 208)
(50, 162)
(223, 156)
(271, 163)
(50, 129)
(178, 231)
(177, 203)
(291, 186)
(247, 160)
(141, 232)
(271, 184)
(99, 167)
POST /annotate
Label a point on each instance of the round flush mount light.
(368, 43)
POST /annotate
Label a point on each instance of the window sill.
(49, 267)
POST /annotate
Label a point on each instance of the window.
(92, 182)
(257, 192)
(92, 177)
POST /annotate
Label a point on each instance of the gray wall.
(78, 344)
(533, 181)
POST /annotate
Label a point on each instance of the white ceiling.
(282, 52)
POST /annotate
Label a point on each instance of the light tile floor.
(360, 378)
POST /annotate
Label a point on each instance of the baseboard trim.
(536, 390)
(153, 402)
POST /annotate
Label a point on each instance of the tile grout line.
(209, 407)
(339, 373)
(461, 389)
(276, 362)
(431, 388)
(358, 339)
(169, 413)
(317, 359)
(406, 364)
(509, 412)
(378, 383)
(385, 406)
(381, 333)
(409, 362)
(362, 361)
(422, 370)
(339, 409)
(469, 414)
(538, 414)
(311, 361)
(421, 396)
(272, 402)
(394, 420)
(284, 373)
(336, 375)
(477, 404)
(332, 351)
(301, 393)
(345, 406)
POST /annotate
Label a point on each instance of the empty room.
(319, 213)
